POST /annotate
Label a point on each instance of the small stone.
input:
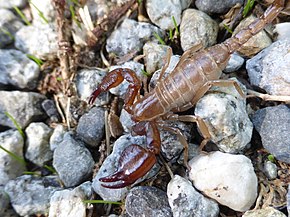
(10, 168)
(72, 161)
(264, 212)
(91, 126)
(229, 179)
(255, 44)
(24, 107)
(185, 201)
(218, 6)
(37, 143)
(47, 12)
(30, 195)
(270, 68)
(126, 121)
(149, 201)
(12, 3)
(197, 27)
(273, 125)
(235, 62)
(51, 110)
(270, 170)
(283, 30)
(57, 136)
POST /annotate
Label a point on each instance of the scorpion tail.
(135, 161)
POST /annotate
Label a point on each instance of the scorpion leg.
(135, 161)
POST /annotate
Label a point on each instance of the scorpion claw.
(94, 95)
(135, 161)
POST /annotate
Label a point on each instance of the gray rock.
(264, 212)
(24, 107)
(9, 25)
(219, 6)
(30, 195)
(270, 68)
(235, 62)
(185, 201)
(57, 136)
(51, 110)
(47, 11)
(149, 201)
(70, 202)
(4, 198)
(130, 37)
(282, 30)
(72, 161)
(273, 125)
(254, 44)
(38, 41)
(229, 179)
(161, 13)
(270, 170)
(18, 70)
(193, 151)
(37, 143)
(197, 27)
(91, 126)
(121, 89)
(87, 81)
(126, 121)
(10, 167)
(224, 112)
(11, 3)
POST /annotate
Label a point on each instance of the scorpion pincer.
(197, 71)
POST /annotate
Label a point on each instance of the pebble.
(235, 62)
(50, 109)
(47, 12)
(38, 41)
(219, 6)
(255, 44)
(229, 179)
(130, 37)
(37, 143)
(87, 81)
(197, 27)
(270, 170)
(18, 70)
(264, 212)
(282, 30)
(185, 201)
(57, 136)
(9, 25)
(224, 112)
(72, 161)
(30, 195)
(273, 125)
(11, 3)
(91, 126)
(270, 68)
(10, 168)
(24, 107)
(150, 201)
(69, 202)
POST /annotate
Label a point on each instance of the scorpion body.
(197, 70)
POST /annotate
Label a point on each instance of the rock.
(38, 41)
(72, 161)
(24, 107)
(9, 25)
(4, 198)
(70, 202)
(51, 110)
(10, 167)
(47, 12)
(37, 143)
(219, 6)
(273, 125)
(161, 13)
(288, 199)
(228, 179)
(226, 118)
(270, 170)
(264, 212)
(185, 201)
(87, 81)
(121, 89)
(283, 30)
(256, 43)
(235, 62)
(57, 136)
(130, 37)
(270, 68)
(197, 27)
(149, 201)
(12, 3)
(18, 70)
(91, 126)
(126, 121)
(30, 195)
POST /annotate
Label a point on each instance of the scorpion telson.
(197, 71)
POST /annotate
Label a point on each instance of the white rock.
(47, 11)
(283, 30)
(265, 212)
(57, 136)
(229, 179)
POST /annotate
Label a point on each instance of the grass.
(176, 32)
(39, 12)
(73, 14)
(15, 124)
(23, 17)
(248, 7)
(102, 202)
(159, 38)
(145, 73)
(39, 62)
(14, 156)
(50, 168)
(6, 32)
(228, 29)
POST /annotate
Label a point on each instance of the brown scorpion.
(197, 71)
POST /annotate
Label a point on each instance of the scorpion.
(197, 71)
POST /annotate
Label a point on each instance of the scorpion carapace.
(195, 73)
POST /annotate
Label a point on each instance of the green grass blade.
(19, 12)
(248, 7)
(31, 173)
(39, 62)
(175, 25)
(15, 124)
(145, 73)
(170, 34)
(72, 11)
(228, 29)
(6, 32)
(102, 202)
(159, 38)
(51, 169)
(14, 156)
(39, 12)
